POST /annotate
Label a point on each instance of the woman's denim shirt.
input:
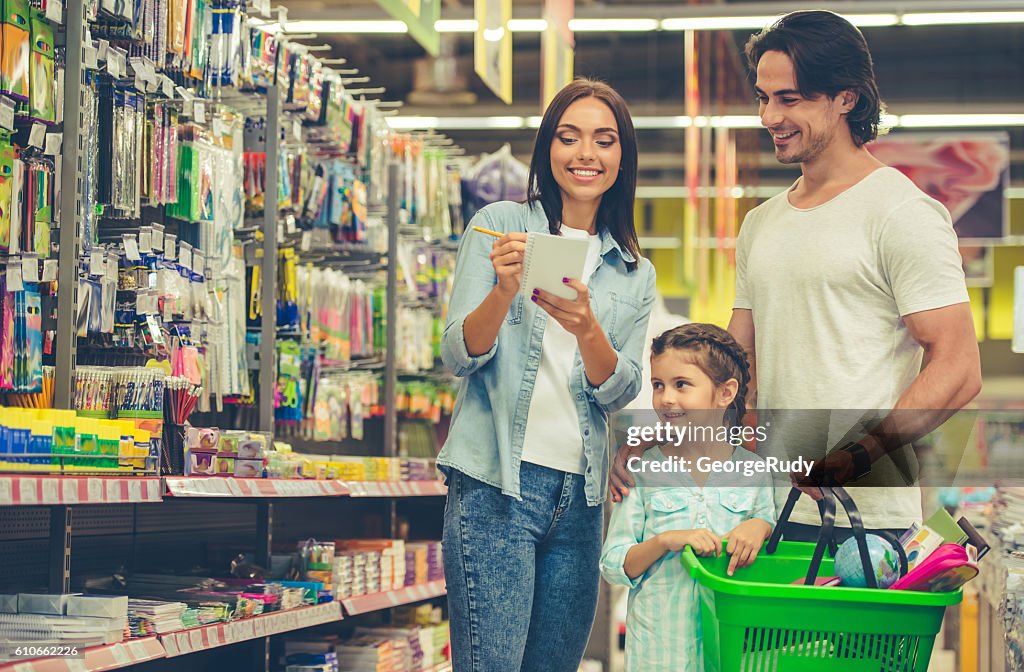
(485, 440)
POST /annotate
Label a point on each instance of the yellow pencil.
(488, 232)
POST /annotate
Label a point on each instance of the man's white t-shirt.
(828, 287)
(552, 436)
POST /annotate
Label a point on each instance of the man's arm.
(741, 326)
(950, 379)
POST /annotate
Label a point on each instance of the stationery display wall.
(222, 299)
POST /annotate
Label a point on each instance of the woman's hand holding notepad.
(507, 257)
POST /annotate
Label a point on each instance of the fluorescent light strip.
(456, 25)
(668, 122)
(758, 22)
(959, 18)
(527, 25)
(613, 25)
(349, 27)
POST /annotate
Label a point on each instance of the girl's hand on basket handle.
(704, 542)
(745, 540)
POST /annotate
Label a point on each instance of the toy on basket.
(758, 621)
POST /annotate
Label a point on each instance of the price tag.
(49, 270)
(104, 50)
(264, 8)
(146, 239)
(5, 491)
(185, 256)
(134, 491)
(92, 60)
(131, 247)
(55, 11)
(168, 86)
(199, 262)
(69, 490)
(282, 16)
(114, 66)
(14, 283)
(37, 135)
(7, 114)
(113, 490)
(51, 491)
(27, 487)
(170, 247)
(297, 129)
(53, 144)
(290, 223)
(199, 111)
(95, 491)
(112, 267)
(96, 259)
(30, 269)
(120, 655)
(306, 242)
(138, 650)
(76, 665)
(157, 239)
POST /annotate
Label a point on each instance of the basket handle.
(826, 535)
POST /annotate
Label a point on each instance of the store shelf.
(213, 486)
(224, 634)
(375, 602)
(36, 490)
(396, 488)
(96, 659)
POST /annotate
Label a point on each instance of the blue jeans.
(522, 575)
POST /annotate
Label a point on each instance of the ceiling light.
(527, 25)
(456, 25)
(350, 27)
(661, 122)
(736, 121)
(533, 122)
(494, 34)
(957, 120)
(960, 18)
(718, 23)
(612, 25)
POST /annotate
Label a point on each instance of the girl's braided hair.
(721, 358)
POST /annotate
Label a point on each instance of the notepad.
(548, 259)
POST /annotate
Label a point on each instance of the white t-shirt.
(828, 287)
(552, 427)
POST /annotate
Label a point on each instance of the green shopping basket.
(759, 621)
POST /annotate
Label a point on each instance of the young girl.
(700, 376)
(527, 453)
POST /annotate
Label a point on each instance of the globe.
(884, 562)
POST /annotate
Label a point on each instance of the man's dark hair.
(829, 55)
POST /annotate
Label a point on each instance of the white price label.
(120, 655)
(290, 223)
(134, 491)
(50, 270)
(51, 491)
(199, 262)
(307, 240)
(168, 86)
(282, 16)
(95, 491)
(5, 491)
(53, 144)
(113, 490)
(92, 57)
(96, 259)
(104, 51)
(170, 247)
(157, 238)
(6, 114)
(199, 111)
(27, 488)
(114, 66)
(146, 239)
(195, 639)
(297, 129)
(29, 269)
(138, 650)
(55, 11)
(185, 255)
(69, 489)
(14, 283)
(264, 8)
(131, 247)
(37, 136)
(111, 267)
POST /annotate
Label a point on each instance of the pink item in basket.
(946, 569)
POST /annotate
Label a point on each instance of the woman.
(526, 455)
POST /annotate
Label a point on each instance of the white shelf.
(363, 604)
(214, 486)
(95, 659)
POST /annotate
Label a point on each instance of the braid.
(723, 359)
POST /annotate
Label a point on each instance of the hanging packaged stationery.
(222, 67)
(37, 216)
(298, 89)
(6, 193)
(315, 105)
(177, 11)
(6, 334)
(32, 380)
(15, 49)
(42, 96)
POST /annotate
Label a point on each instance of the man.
(850, 279)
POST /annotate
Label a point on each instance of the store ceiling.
(920, 69)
